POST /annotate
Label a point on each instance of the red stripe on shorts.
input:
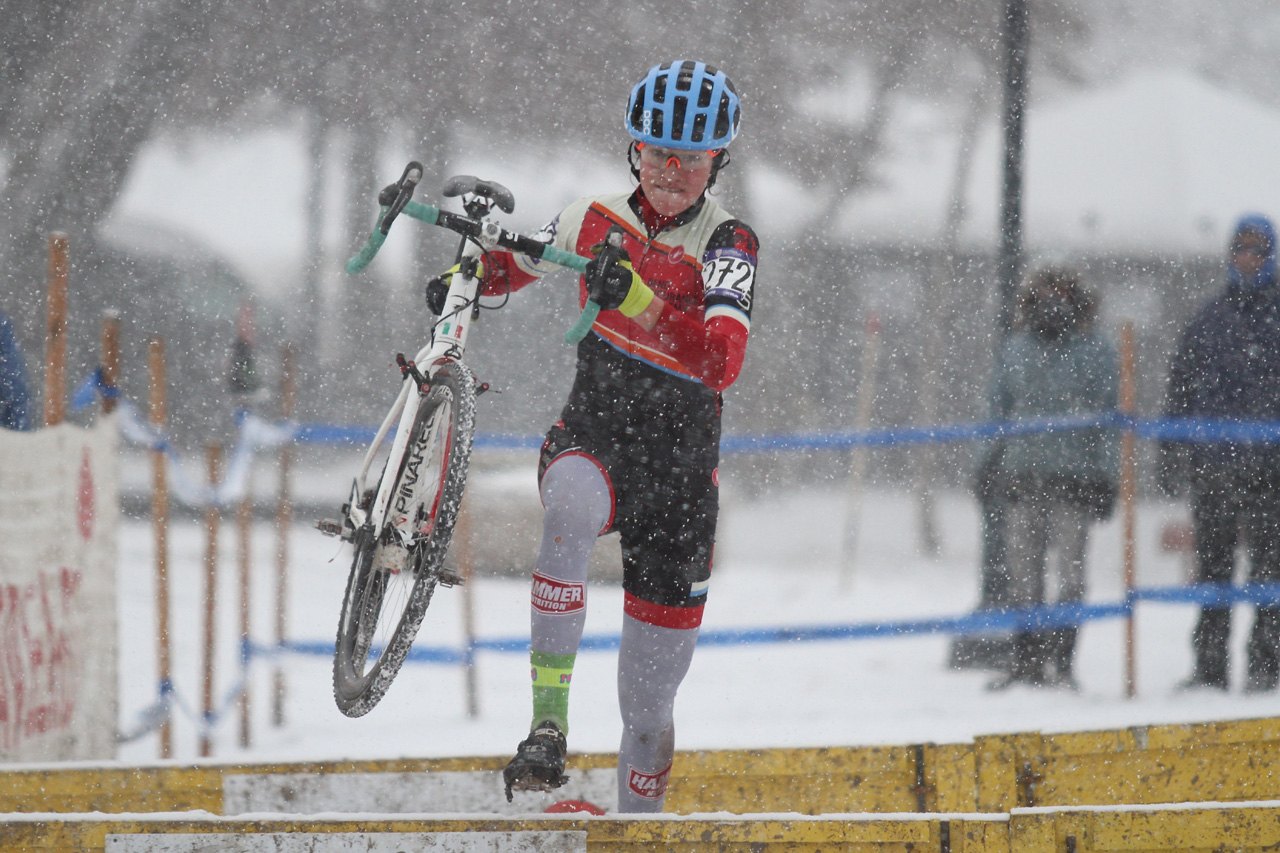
(660, 614)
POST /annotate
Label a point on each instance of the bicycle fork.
(400, 506)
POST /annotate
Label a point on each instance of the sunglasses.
(665, 158)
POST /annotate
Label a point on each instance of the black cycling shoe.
(539, 761)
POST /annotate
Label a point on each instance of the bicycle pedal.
(537, 784)
(329, 526)
(450, 578)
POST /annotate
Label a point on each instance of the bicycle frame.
(451, 329)
(448, 343)
(401, 516)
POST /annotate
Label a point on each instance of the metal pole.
(1016, 36)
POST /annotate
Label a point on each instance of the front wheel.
(391, 582)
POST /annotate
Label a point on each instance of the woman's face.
(673, 180)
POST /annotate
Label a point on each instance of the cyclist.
(636, 447)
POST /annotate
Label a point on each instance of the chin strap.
(633, 159)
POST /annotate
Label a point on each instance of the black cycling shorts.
(657, 437)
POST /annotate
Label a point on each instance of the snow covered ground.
(778, 564)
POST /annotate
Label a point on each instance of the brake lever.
(403, 192)
(610, 251)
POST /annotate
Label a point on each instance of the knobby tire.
(363, 669)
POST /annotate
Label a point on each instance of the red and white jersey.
(702, 264)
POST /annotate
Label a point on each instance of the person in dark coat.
(1058, 483)
(15, 398)
(1227, 366)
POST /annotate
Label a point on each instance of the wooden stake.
(466, 568)
(868, 372)
(284, 522)
(110, 357)
(55, 377)
(211, 519)
(160, 525)
(244, 526)
(1128, 495)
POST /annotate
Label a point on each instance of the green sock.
(551, 677)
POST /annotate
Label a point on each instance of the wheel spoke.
(390, 588)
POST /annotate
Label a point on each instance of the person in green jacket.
(1055, 365)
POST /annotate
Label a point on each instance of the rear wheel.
(391, 583)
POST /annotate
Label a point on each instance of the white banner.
(59, 519)
(434, 792)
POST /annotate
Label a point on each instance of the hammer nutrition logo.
(651, 786)
(557, 596)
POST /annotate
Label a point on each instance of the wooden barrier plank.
(167, 788)
(972, 835)
(1033, 833)
(90, 833)
(1174, 736)
(1226, 773)
(112, 789)
(950, 777)
(137, 834)
(1148, 829)
(1002, 765)
(1223, 761)
(807, 781)
(776, 833)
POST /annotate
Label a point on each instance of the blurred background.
(208, 156)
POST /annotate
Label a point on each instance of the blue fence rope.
(1189, 430)
(979, 622)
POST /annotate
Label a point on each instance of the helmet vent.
(699, 128)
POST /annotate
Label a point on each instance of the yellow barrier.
(1223, 762)
(920, 778)
(927, 778)
(1238, 827)
(1244, 827)
(168, 788)
(969, 834)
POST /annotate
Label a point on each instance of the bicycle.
(400, 521)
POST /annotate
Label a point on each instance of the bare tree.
(86, 84)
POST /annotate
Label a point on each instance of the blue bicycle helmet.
(684, 104)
